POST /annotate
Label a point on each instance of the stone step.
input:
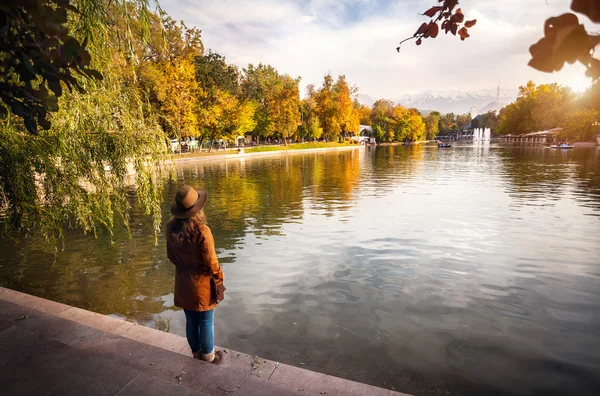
(113, 344)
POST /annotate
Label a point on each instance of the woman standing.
(191, 247)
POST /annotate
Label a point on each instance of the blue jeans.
(200, 331)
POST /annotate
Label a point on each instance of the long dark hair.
(187, 230)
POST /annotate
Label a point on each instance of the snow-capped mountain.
(459, 102)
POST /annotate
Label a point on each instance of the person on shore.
(191, 247)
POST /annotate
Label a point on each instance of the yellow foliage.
(179, 97)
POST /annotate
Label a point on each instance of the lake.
(470, 270)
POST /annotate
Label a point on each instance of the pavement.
(49, 348)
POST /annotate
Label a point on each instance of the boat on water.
(444, 145)
(561, 146)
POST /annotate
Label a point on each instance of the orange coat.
(193, 261)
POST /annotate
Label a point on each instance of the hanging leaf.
(51, 103)
(54, 85)
(552, 25)
(422, 29)
(433, 30)
(458, 16)
(463, 33)
(43, 122)
(419, 41)
(470, 24)
(590, 8)
(432, 11)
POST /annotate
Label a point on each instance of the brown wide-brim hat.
(188, 201)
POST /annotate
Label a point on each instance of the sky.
(358, 38)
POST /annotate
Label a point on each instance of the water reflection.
(471, 270)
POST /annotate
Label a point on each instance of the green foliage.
(37, 53)
(347, 114)
(487, 120)
(538, 107)
(580, 126)
(162, 324)
(101, 145)
(432, 125)
(396, 123)
(278, 100)
(213, 73)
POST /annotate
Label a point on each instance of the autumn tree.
(432, 125)
(580, 126)
(486, 120)
(167, 75)
(538, 107)
(179, 98)
(395, 123)
(327, 109)
(447, 123)
(278, 100)
(550, 105)
(364, 113)
(222, 112)
(347, 114)
(381, 120)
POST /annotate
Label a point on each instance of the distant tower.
(498, 93)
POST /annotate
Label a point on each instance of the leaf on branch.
(432, 30)
(571, 42)
(593, 69)
(458, 16)
(18, 108)
(70, 48)
(552, 25)
(422, 29)
(419, 41)
(43, 122)
(463, 33)
(54, 85)
(451, 4)
(454, 28)
(541, 56)
(590, 8)
(470, 24)
(51, 103)
(94, 74)
(432, 11)
(30, 124)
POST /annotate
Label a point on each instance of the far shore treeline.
(544, 107)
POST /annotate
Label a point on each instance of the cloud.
(358, 38)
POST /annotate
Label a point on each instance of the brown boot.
(214, 357)
(197, 355)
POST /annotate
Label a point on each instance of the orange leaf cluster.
(565, 41)
(443, 17)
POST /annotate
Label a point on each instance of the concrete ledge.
(263, 154)
(106, 355)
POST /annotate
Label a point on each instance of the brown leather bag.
(217, 288)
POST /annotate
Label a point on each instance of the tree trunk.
(210, 145)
